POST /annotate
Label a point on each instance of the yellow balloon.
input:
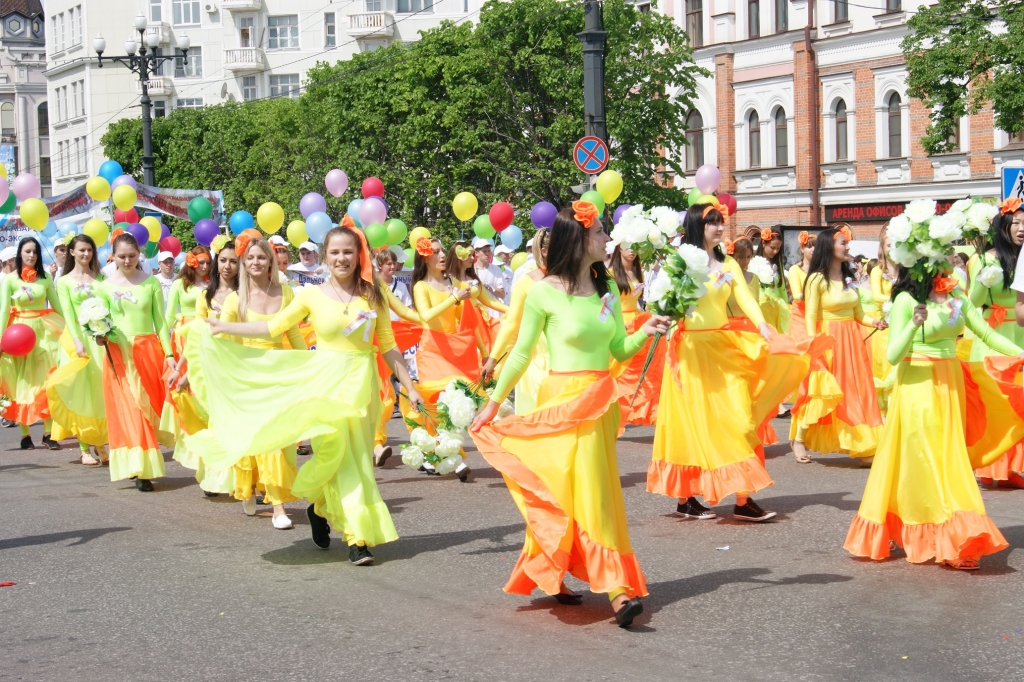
(97, 230)
(464, 205)
(416, 234)
(153, 225)
(296, 233)
(98, 189)
(125, 197)
(518, 260)
(34, 214)
(609, 185)
(270, 217)
(3, 171)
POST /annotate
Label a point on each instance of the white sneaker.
(249, 506)
(462, 471)
(282, 522)
(380, 455)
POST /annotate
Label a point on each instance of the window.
(185, 12)
(45, 176)
(895, 127)
(77, 162)
(284, 32)
(406, 6)
(781, 15)
(7, 121)
(76, 24)
(60, 32)
(65, 112)
(842, 10)
(330, 30)
(755, 139)
(190, 103)
(156, 10)
(694, 141)
(60, 158)
(841, 134)
(893, 5)
(249, 90)
(781, 138)
(43, 120)
(75, 113)
(695, 22)
(286, 85)
(753, 18)
(1016, 138)
(159, 109)
(953, 141)
(53, 33)
(375, 5)
(194, 67)
(246, 30)
(71, 27)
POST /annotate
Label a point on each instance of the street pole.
(148, 168)
(593, 39)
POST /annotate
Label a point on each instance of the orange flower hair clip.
(944, 285)
(243, 240)
(1011, 205)
(766, 234)
(804, 237)
(585, 213)
(191, 260)
(845, 231)
(424, 247)
(729, 246)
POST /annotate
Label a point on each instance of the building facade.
(240, 50)
(24, 119)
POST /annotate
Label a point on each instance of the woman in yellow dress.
(330, 395)
(775, 301)
(460, 267)
(837, 409)
(24, 295)
(882, 278)
(797, 275)
(559, 461)
(193, 278)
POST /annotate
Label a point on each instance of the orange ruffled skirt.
(837, 407)
(720, 385)
(560, 466)
(945, 417)
(643, 409)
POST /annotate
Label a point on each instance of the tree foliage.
(962, 55)
(494, 109)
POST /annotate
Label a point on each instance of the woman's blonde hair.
(243, 274)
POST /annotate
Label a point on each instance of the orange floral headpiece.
(766, 234)
(243, 240)
(348, 222)
(712, 207)
(729, 246)
(585, 213)
(804, 237)
(845, 231)
(425, 247)
(191, 260)
(1011, 205)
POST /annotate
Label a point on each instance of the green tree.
(962, 55)
(494, 109)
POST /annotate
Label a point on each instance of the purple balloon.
(372, 210)
(165, 232)
(312, 203)
(205, 231)
(618, 213)
(336, 182)
(124, 180)
(682, 217)
(140, 232)
(543, 214)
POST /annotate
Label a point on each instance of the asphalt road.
(113, 584)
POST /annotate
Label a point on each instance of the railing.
(371, 23)
(243, 57)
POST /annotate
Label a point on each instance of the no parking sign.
(590, 155)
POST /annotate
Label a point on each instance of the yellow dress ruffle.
(74, 392)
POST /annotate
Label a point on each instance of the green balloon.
(376, 235)
(596, 199)
(693, 196)
(151, 249)
(121, 226)
(9, 204)
(199, 208)
(397, 231)
(482, 227)
(707, 199)
(409, 256)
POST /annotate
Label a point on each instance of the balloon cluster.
(707, 179)
(497, 220)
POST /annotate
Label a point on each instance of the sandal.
(91, 461)
(962, 564)
(568, 597)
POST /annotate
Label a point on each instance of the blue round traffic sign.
(590, 155)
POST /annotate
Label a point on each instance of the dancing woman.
(560, 459)
(775, 301)
(882, 278)
(23, 298)
(330, 395)
(797, 276)
(223, 280)
(193, 278)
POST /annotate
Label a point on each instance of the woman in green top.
(75, 389)
(139, 354)
(23, 298)
(192, 281)
(559, 461)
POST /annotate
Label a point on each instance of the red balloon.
(18, 340)
(130, 216)
(372, 187)
(171, 244)
(727, 200)
(501, 215)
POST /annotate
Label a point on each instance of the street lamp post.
(145, 64)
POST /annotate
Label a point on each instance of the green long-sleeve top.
(22, 295)
(982, 296)
(936, 338)
(180, 297)
(71, 295)
(137, 310)
(578, 338)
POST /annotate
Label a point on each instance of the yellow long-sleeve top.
(829, 300)
(881, 286)
(438, 310)
(733, 306)
(797, 277)
(712, 311)
(403, 311)
(510, 323)
(204, 310)
(330, 319)
(482, 298)
(26, 296)
(185, 299)
(229, 313)
(631, 300)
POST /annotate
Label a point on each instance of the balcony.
(371, 25)
(158, 86)
(241, 5)
(161, 29)
(243, 59)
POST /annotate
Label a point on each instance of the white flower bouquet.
(94, 316)
(762, 268)
(5, 402)
(990, 275)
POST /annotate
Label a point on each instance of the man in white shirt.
(504, 254)
(165, 275)
(60, 255)
(488, 274)
(308, 270)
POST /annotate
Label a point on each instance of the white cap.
(529, 242)
(479, 243)
(502, 249)
(277, 239)
(164, 255)
(308, 246)
(399, 253)
(8, 253)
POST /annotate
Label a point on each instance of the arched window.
(43, 119)
(754, 139)
(694, 141)
(895, 127)
(841, 140)
(781, 138)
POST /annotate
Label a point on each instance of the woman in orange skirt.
(836, 410)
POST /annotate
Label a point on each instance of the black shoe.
(27, 444)
(569, 599)
(319, 527)
(630, 610)
(209, 494)
(463, 473)
(751, 512)
(359, 555)
(7, 423)
(50, 443)
(144, 485)
(302, 451)
(693, 509)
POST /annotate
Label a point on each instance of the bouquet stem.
(647, 365)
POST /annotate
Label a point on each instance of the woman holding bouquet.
(559, 461)
(23, 298)
(75, 389)
(192, 280)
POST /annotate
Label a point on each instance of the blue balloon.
(103, 253)
(317, 226)
(110, 170)
(511, 237)
(239, 221)
(179, 260)
(353, 211)
(47, 257)
(67, 228)
(153, 265)
(50, 230)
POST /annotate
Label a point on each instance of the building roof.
(26, 8)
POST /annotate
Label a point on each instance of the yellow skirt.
(74, 392)
(1013, 459)
(23, 378)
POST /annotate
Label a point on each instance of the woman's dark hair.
(367, 290)
(188, 274)
(620, 273)
(419, 263)
(693, 227)
(1006, 251)
(566, 250)
(779, 259)
(824, 254)
(453, 266)
(918, 290)
(215, 276)
(19, 264)
(69, 262)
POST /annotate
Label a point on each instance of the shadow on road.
(997, 564)
(25, 467)
(788, 504)
(81, 537)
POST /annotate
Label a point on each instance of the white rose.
(448, 444)
(760, 266)
(980, 215)
(98, 327)
(667, 220)
(506, 409)
(448, 464)
(886, 307)
(899, 253)
(656, 289)
(696, 259)
(920, 210)
(412, 456)
(462, 414)
(899, 228)
(961, 206)
(931, 251)
(631, 213)
(658, 240)
(959, 218)
(423, 440)
(990, 275)
(944, 230)
(92, 309)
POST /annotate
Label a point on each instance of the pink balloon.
(336, 182)
(26, 186)
(372, 211)
(708, 178)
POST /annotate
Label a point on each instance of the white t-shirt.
(401, 292)
(165, 284)
(1018, 277)
(493, 279)
(507, 275)
(525, 268)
